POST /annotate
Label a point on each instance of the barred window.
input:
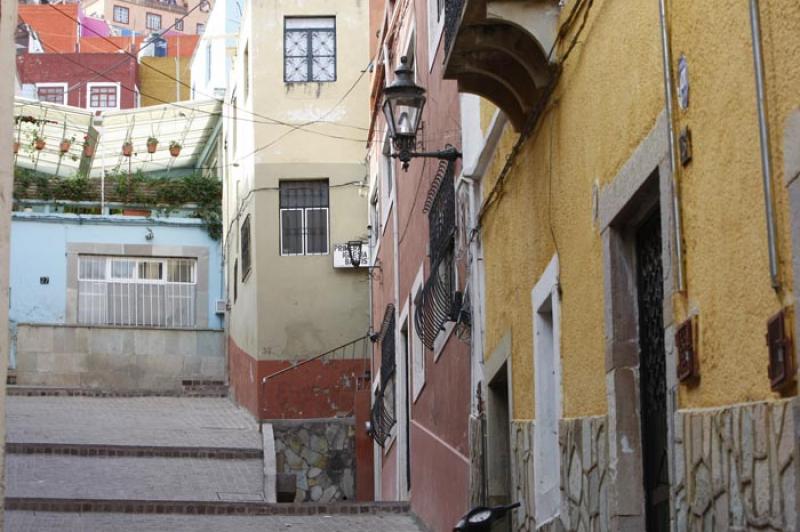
(309, 49)
(245, 247)
(137, 291)
(121, 14)
(304, 217)
(52, 93)
(235, 280)
(201, 28)
(179, 24)
(153, 21)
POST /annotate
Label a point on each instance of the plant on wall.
(152, 144)
(175, 148)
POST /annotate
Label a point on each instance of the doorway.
(498, 444)
(652, 372)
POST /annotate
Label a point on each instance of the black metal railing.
(453, 10)
(441, 209)
(382, 417)
(436, 307)
(387, 346)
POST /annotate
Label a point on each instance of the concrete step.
(86, 505)
(143, 479)
(140, 451)
(187, 390)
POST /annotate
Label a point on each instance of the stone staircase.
(92, 460)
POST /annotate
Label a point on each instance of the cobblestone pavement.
(46, 522)
(163, 421)
(75, 477)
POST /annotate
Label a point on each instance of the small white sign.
(341, 257)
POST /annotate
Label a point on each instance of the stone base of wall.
(321, 453)
(117, 359)
(583, 444)
(737, 468)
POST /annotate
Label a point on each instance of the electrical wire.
(172, 78)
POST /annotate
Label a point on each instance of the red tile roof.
(57, 32)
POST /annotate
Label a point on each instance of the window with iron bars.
(245, 251)
(383, 408)
(304, 217)
(309, 50)
(121, 14)
(153, 21)
(436, 307)
(137, 291)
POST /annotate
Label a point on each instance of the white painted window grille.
(201, 28)
(121, 14)
(137, 291)
(304, 217)
(309, 49)
(52, 92)
(153, 21)
(103, 95)
(179, 24)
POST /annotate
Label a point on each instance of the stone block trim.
(321, 453)
(583, 443)
(522, 484)
(736, 468)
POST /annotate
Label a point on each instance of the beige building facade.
(147, 16)
(296, 119)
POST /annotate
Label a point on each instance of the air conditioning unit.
(222, 306)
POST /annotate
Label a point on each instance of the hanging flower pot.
(152, 145)
(39, 143)
(16, 148)
(174, 148)
(88, 150)
(127, 149)
(65, 145)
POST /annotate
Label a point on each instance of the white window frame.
(147, 16)
(547, 382)
(179, 23)
(435, 30)
(114, 14)
(417, 348)
(386, 196)
(304, 231)
(93, 84)
(65, 86)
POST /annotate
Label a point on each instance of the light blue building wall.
(39, 250)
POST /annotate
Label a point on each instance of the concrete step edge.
(144, 451)
(58, 391)
(45, 504)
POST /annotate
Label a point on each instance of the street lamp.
(403, 101)
(354, 252)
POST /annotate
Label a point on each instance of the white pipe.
(676, 206)
(763, 131)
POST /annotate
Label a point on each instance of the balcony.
(498, 50)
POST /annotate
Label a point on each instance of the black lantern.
(354, 252)
(403, 102)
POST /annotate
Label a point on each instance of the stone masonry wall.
(522, 486)
(737, 468)
(321, 453)
(117, 359)
(583, 444)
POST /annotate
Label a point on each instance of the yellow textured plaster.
(727, 266)
(604, 105)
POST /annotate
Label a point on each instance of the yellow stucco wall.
(156, 82)
(606, 102)
(727, 266)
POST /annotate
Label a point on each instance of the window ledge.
(441, 339)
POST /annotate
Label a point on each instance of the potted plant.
(88, 146)
(66, 144)
(127, 148)
(16, 147)
(175, 148)
(152, 144)
(39, 142)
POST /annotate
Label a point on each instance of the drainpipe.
(676, 207)
(763, 130)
